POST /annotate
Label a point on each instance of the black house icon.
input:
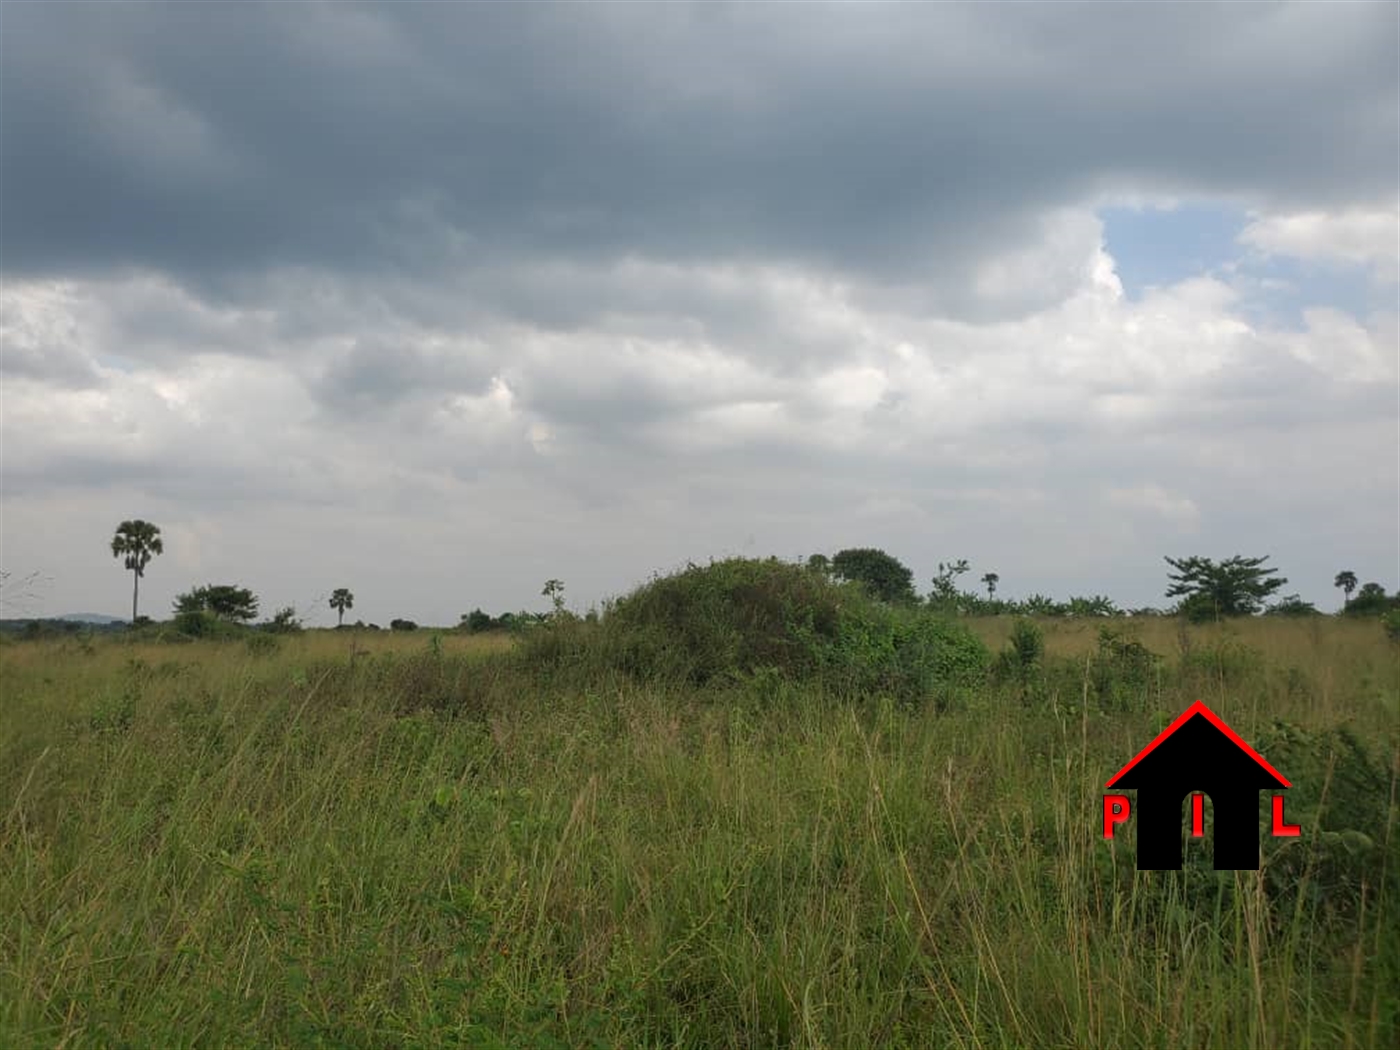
(1198, 752)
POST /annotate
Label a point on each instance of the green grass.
(207, 845)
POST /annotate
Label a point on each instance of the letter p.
(1115, 811)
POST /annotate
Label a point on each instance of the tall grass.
(399, 844)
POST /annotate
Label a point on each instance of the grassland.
(415, 841)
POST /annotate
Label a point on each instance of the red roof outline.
(1199, 708)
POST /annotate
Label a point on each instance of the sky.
(437, 302)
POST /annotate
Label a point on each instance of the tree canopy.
(342, 599)
(1211, 590)
(886, 577)
(223, 600)
(136, 542)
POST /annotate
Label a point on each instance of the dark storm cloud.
(209, 139)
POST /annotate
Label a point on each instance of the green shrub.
(1341, 799)
(1391, 623)
(202, 624)
(476, 621)
(726, 621)
(1123, 670)
(1372, 600)
(284, 622)
(1021, 661)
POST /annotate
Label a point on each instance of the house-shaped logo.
(1198, 753)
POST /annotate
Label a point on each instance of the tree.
(554, 591)
(223, 600)
(1346, 580)
(285, 622)
(476, 621)
(1213, 590)
(991, 579)
(137, 542)
(1372, 600)
(945, 585)
(820, 563)
(886, 577)
(342, 599)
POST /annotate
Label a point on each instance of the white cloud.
(1359, 236)
(775, 409)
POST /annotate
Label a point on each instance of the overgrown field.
(420, 841)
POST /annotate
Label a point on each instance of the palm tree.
(342, 599)
(137, 542)
(991, 580)
(1346, 580)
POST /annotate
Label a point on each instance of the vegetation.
(751, 803)
(1372, 600)
(284, 621)
(575, 839)
(742, 619)
(1292, 605)
(477, 621)
(136, 543)
(883, 575)
(945, 596)
(1212, 590)
(224, 601)
(341, 599)
(1346, 581)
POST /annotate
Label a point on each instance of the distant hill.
(87, 618)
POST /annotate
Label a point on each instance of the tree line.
(1206, 590)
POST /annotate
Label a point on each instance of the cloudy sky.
(439, 301)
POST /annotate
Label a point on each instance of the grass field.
(386, 840)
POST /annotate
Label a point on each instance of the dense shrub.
(731, 619)
(203, 624)
(476, 620)
(1372, 600)
(1341, 798)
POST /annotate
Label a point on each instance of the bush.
(285, 622)
(1123, 670)
(201, 624)
(731, 619)
(1341, 798)
(1372, 600)
(1391, 622)
(1020, 662)
(402, 625)
(476, 621)
(1292, 605)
